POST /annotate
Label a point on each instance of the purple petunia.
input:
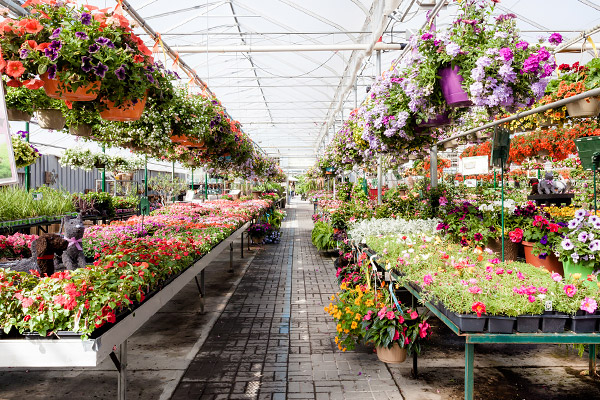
(426, 36)
(55, 33)
(581, 213)
(594, 245)
(86, 64)
(52, 71)
(555, 39)
(522, 45)
(102, 41)
(452, 49)
(150, 78)
(24, 53)
(86, 18)
(100, 70)
(506, 54)
(567, 244)
(51, 53)
(582, 237)
(120, 73)
(81, 35)
(93, 48)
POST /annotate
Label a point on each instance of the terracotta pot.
(50, 119)
(57, 90)
(395, 355)
(550, 263)
(255, 195)
(589, 107)
(128, 111)
(16, 115)
(511, 249)
(83, 130)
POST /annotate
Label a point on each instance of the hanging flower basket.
(450, 145)
(483, 135)
(128, 111)
(584, 108)
(58, 90)
(543, 153)
(450, 82)
(83, 130)
(436, 120)
(17, 115)
(50, 119)
(544, 121)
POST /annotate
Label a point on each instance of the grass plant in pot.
(49, 112)
(82, 118)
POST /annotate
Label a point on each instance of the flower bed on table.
(133, 258)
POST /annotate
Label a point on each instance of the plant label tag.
(548, 305)
(37, 196)
(388, 276)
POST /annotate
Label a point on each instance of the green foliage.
(19, 98)
(166, 187)
(322, 236)
(17, 203)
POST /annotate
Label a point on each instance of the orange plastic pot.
(56, 89)
(550, 263)
(128, 111)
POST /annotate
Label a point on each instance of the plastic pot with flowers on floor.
(258, 232)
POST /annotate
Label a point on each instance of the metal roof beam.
(287, 48)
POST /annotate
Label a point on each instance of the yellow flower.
(346, 330)
(354, 325)
(337, 339)
(357, 317)
(357, 302)
(339, 327)
(332, 297)
(343, 286)
(576, 276)
(344, 349)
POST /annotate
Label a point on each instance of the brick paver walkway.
(275, 341)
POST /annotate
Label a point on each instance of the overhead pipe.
(286, 48)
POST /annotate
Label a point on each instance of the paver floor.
(274, 340)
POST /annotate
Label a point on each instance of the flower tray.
(468, 322)
(554, 322)
(498, 324)
(584, 322)
(528, 323)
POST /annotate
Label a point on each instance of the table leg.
(242, 248)
(415, 370)
(469, 361)
(592, 355)
(122, 386)
(230, 257)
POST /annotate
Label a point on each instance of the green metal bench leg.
(592, 360)
(469, 361)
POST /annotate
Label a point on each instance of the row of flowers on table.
(83, 67)
(133, 258)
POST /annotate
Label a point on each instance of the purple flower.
(594, 245)
(100, 70)
(55, 45)
(51, 54)
(543, 54)
(506, 54)
(522, 45)
(93, 48)
(581, 213)
(505, 17)
(582, 237)
(86, 18)
(150, 78)
(507, 73)
(483, 62)
(24, 53)
(52, 71)
(86, 64)
(120, 73)
(531, 65)
(102, 41)
(573, 224)
(544, 239)
(55, 33)
(567, 244)
(426, 36)
(452, 49)
(555, 39)
(81, 35)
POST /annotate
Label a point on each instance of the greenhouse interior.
(287, 199)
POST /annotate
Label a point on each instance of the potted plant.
(258, 231)
(82, 118)
(19, 103)
(25, 153)
(49, 111)
(574, 80)
(77, 158)
(580, 249)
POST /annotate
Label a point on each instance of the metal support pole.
(379, 179)
(146, 176)
(469, 361)
(242, 247)
(595, 204)
(192, 182)
(230, 257)
(433, 166)
(355, 96)
(27, 169)
(103, 172)
(205, 185)
(122, 385)
(502, 210)
(592, 356)
(201, 290)
(173, 177)
(495, 183)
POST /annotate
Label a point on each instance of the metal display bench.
(71, 351)
(471, 339)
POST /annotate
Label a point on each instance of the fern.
(322, 236)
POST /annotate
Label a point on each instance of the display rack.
(71, 351)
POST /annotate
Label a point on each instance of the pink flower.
(520, 275)
(472, 281)
(396, 335)
(542, 290)
(381, 313)
(499, 271)
(570, 290)
(368, 315)
(588, 304)
(475, 289)
(414, 315)
(390, 315)
(509, 271)
(427, 279)
(531, 298)
(556, 277)
(423, 327)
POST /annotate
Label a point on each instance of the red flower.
(27, 318)
(138, 58)
(33, 83)
(30, 25)
(42, 46)
(14, 83)
(478, 307)
(15, 69)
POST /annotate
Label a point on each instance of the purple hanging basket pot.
(436, 120)
(450, 82)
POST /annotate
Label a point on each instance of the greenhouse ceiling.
(291, 70)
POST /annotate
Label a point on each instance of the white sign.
(8, 169)
(470, 182)
(473, 165)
